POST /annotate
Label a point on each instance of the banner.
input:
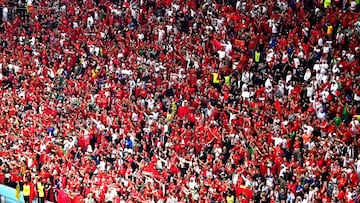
(63, 197)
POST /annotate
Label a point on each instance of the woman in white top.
(5, 12)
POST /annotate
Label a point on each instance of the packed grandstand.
(180, 100)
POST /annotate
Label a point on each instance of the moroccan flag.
(242, 190)
(17, 191)
(63, 197)
(240, 43)
(150, 170)
(217, 44)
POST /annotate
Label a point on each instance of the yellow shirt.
(329, 30)
(230, 199)
(215, 78)
(227, 80)
(26, 190)
(327, 3)
(40, 189)
(257, 57)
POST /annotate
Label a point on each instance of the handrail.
(9, 194)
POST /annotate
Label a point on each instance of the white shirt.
(335, 69)
(228, 47)
(150, 103)
(354, 123)
(352, 5)
(320, 42)
(319, 77)
(22, 40)
(247, 181)
(192, 184)
(32, 41)
(140, 36)
(5, 12)
(270, 182)
(134, 116)
(307, 75)
(326, 49)
(358, 168)
(172, 200)
(274, 28)
(270, 55)
(89, 200)
(102, 165)
(288, 78)
(221, 54)
(320, 114)
(356, 97)
(334, 87)
(90, 21)
(289, 88)
(278, 141)
(316, 67)
(161, 35)
(324, 95)
(308, 129)
(246, 77)
(296, 62)
(268, 83)
(282, 171)
(324, 78)
(218, 151)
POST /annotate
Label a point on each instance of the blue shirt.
(129, 143)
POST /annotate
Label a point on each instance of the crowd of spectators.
(182, 100)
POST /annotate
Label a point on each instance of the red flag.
(240, 43)
(63, 197)
(235, 17)
(32, 192)
(217, 44)
(277, 106)
(150, 170)
(240, 190)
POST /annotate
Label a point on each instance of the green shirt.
(257, 57)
